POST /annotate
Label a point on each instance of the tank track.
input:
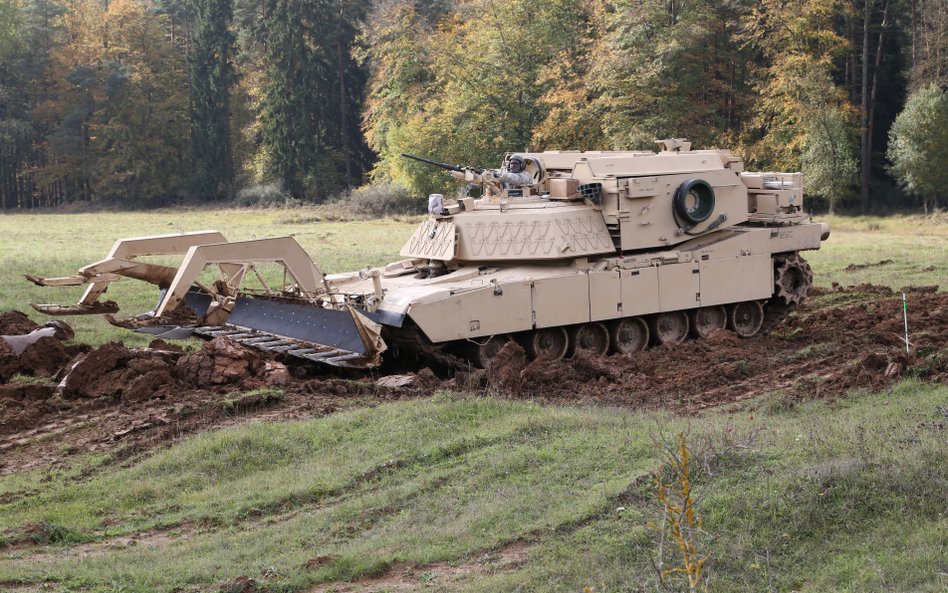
(775, 311)
(793, 278)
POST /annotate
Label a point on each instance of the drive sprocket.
(792, 278)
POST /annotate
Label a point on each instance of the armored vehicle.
(599, 252)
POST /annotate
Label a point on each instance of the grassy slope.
(842, 497)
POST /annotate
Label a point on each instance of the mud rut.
(67, 398)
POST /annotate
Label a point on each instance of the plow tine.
(63, 281)
(167, 332)
(94, 308)
(304, 320)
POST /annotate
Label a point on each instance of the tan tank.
(601, 251)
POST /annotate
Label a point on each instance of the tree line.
(152, 102)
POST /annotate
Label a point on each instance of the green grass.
(838, 495)
(916, 245)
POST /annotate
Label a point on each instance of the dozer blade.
(342, 338)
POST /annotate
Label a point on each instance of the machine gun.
(455, 168)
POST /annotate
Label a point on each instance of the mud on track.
(61, 398)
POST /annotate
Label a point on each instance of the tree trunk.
(865, 149)
(343, 116)
(875, 88)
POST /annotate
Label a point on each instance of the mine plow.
(562, 252)
(300, 318)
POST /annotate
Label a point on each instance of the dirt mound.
(223, 362)
(114, 398)
(115, 372)
(38, 352)
(107, 371)
(822, 350)
(13, 323)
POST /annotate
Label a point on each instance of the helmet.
(519, 160)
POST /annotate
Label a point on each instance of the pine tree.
(15, 127)
(309, 131)
(212, 77)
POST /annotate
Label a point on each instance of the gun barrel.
(457, 168)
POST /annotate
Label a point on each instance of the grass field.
(467, 493)
(914, 249)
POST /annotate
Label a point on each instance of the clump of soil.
(15, 323)
(44, 358)
(209, 365)
(223, 362)
(505, 371)
(159, 344)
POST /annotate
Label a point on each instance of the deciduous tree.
(918, 146)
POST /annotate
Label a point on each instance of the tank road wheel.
(550, 343)
(482, 353)
(670, 328)
(746, 318)
(707, 319)
(591, 338)
(792, 278)
(629, 335)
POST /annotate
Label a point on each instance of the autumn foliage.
(151, 102)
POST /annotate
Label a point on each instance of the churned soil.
(59, 398)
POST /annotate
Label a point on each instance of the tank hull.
(475, 303)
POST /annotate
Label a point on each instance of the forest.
(150, 103)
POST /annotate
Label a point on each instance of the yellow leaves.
(679, 516)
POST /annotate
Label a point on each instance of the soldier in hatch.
(514, 177)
